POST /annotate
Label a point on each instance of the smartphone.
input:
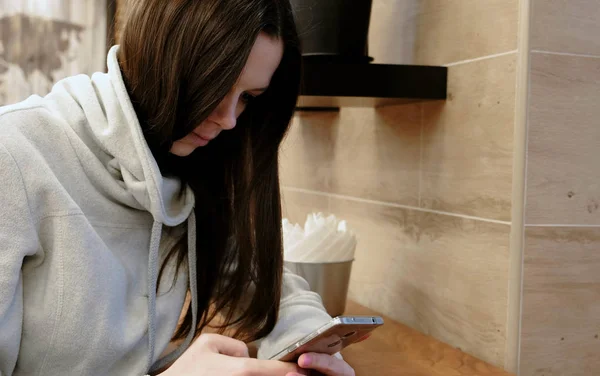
(332, 337)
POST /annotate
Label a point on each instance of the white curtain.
(43, 41)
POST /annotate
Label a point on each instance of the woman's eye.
(247, 97)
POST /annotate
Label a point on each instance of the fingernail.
(306, 360)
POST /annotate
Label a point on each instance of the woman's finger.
(259, 367)
(325, 364)
(222, 345)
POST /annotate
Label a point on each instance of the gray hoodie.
(85, 217)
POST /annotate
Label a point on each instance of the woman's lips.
(199, 140)
(207, 138)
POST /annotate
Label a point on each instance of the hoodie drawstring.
(152, 275)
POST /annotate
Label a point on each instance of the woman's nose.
(225, 114)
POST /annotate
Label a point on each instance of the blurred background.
(44, 41)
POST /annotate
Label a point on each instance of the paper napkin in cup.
(323, 239)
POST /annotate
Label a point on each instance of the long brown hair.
(179, 60)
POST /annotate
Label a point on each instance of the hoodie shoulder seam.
(61, 214)
(21, 109)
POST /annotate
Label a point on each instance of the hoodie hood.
(114, 132)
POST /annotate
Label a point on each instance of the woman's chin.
(181, 149)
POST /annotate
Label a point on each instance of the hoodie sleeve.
(18, 239)
(301, 311)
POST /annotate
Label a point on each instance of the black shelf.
(329, 85)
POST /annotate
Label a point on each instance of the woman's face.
(263, 60)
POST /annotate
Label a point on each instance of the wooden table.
(396, 349)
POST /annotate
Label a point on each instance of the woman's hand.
(213, 354)
(324, 364)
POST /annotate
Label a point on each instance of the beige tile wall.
(368, 153)
(427, 186)
(563, 181)
(561, 302)
(437, 32)
(567, 27)
(468, 141)
(561, 296)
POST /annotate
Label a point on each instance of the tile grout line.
(563, 225)
(393, 205)
(481, 58)
(565, 54)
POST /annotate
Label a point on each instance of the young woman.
(123, 193)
